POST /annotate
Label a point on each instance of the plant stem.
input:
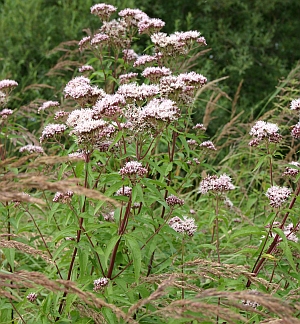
(276, 238)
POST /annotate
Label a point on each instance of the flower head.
(213, 183)
(160, 110)
(31, 149)
(296, 131)
(124, 191)
(187, 225)
(129, 55)
(295, 104)
(85, 68)
(208, 145)
(264, 130)
(155, 73)
(290, 171)
(133, 168)
(150, 25)
(48, 104)
(63, 197)
(5, 113)
(173, 201)
(52, 130)
(6, 86)
(32, 297)
(103, 10)
(278, 195)
(100, 283)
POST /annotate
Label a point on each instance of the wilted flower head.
(278, 195)
(48, 104)
(187, 225)
(32, 297)
(31, 149)
(290, 171)
(173, 201)
(52, 130)
(295, 104)
(216, 184)
(100, 283)
(103, 10)
(264, 130)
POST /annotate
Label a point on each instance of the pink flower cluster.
(5, 113)
(124, 191)
(264, 130)
(103, 10)
(134, 92)
(100, 283)
(296, 131)
(172, 201)
(32, 297)
(82, 91)
(278, 195)
(187, 225)
(52, 130)
(208, 145)
(216, 184)
(290, 171)
(7, 85)
(31, 149)
(63, 197)
(160, 109)
(133, 168)
(108, 106)
(295, 104)
(48, 104)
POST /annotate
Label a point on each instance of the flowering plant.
(121, 231)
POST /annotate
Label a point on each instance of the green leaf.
(10, 257)
(286, 248)
(134, 247)
(110, 245)
(248, 230)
